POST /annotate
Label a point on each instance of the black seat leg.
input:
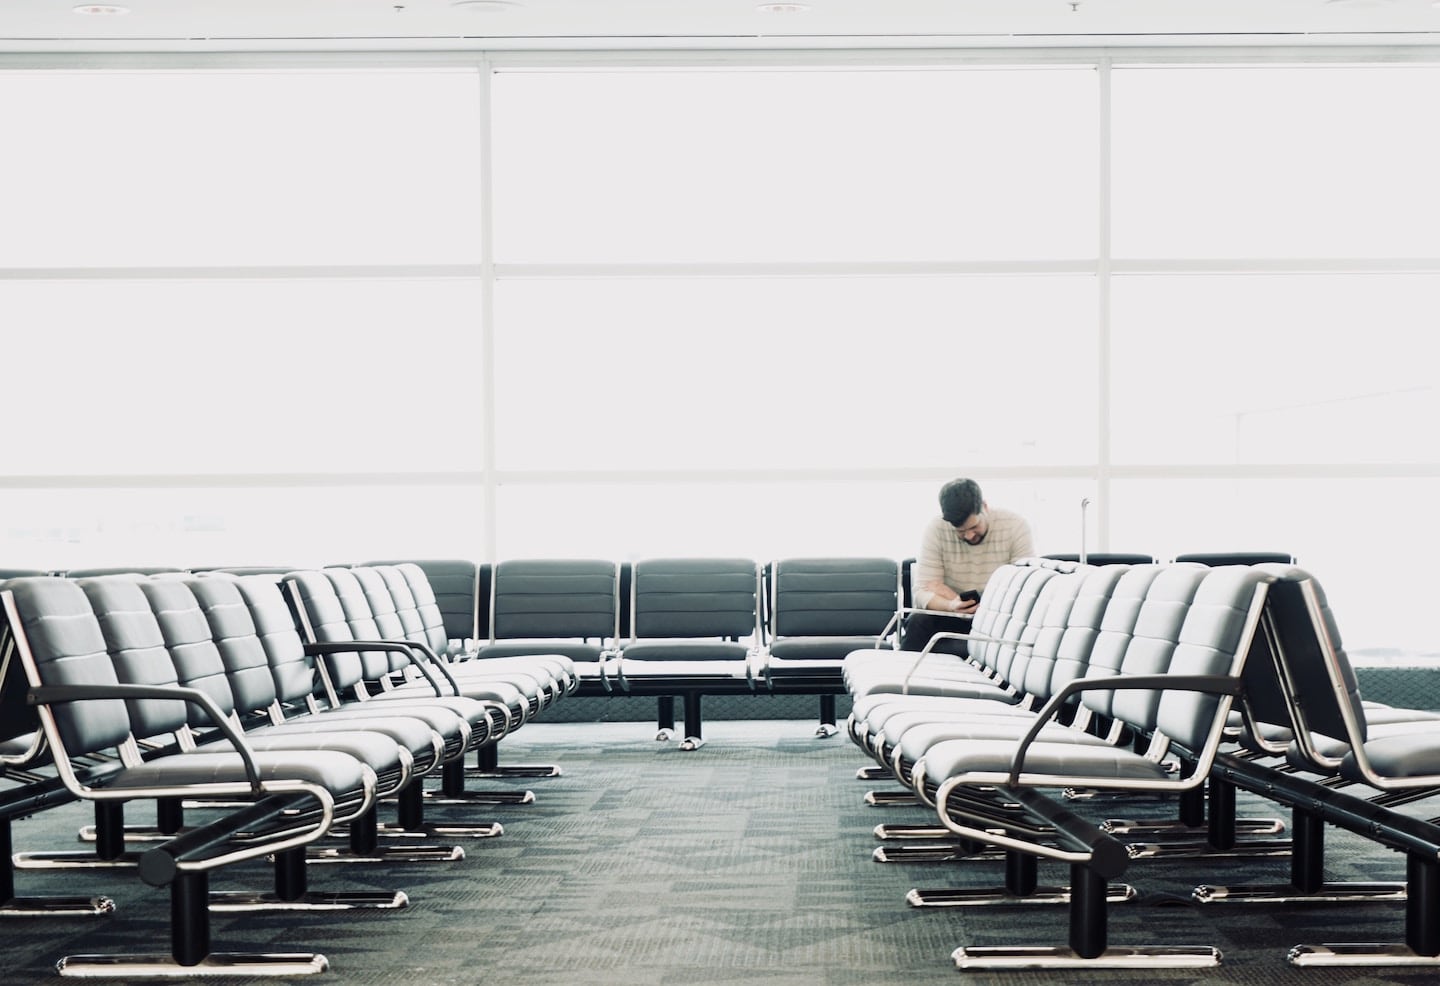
(190, 953)
(169, 816)
(1421, 948)
(827, 727)
(488, 767)
(1088, 946)
(452, 791)
(665, 718)
(694, 730)
(1089, 915)
(109, 830)
(1307, 876)
(1022, 873)
(1422, 905)
(410, 818)
(190, 918)
(292, 892)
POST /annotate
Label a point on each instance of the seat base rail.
(1253, 849)
(215, 964)
(1371, 954)
(441, 830)
(999, 897)
(887, 831)
(387, 854)
(951, 852)
(1243, 827)
(492, 798)
(38, 907)
(74, 860)
(883, 799)
(519, 770)
(1040, 957)
(1329, 893)
(240, 901)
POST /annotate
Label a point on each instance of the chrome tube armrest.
(929, 649)
(1212, 684)
(607, 655)
(757, 658)
(18, 761)
(429, 665)
(891, 626)
(51, 694)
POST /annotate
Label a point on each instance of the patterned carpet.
(746, 862)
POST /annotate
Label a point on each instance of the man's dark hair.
(960, 500)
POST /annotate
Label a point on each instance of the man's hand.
(963, 606)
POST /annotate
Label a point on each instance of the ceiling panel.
(166, 25)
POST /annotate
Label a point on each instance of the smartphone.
(970, 596)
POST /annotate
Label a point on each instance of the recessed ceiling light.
(100, 8)
(782, 8)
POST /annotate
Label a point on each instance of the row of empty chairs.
(1089, 686)
(678, 628)
(214, 697)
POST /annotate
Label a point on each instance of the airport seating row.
(1086, 686)
(213, 697)
(250, 687)
(685, 628)
(676, 629)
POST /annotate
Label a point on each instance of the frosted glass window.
(1262, 161)
(691, 373)
(1346, 532)
(1275, 369)
(181, 376)
(764, 521)
(185, 168)
(764, 165)
(203, 526)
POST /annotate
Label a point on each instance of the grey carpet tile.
(747, 862)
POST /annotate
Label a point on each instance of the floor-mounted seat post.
(410, 812)
(1088, 912)
(693, 727)
(1022, 874)
(1422, 905)
(364, 835)
(292, 879)
(1192, 807)
(1222, 814)
(1307, 852)
(169, 816)
(665, 716)
(109, 829)
(827, 710)
(7, 871)
(452, 778)
(190, 917)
